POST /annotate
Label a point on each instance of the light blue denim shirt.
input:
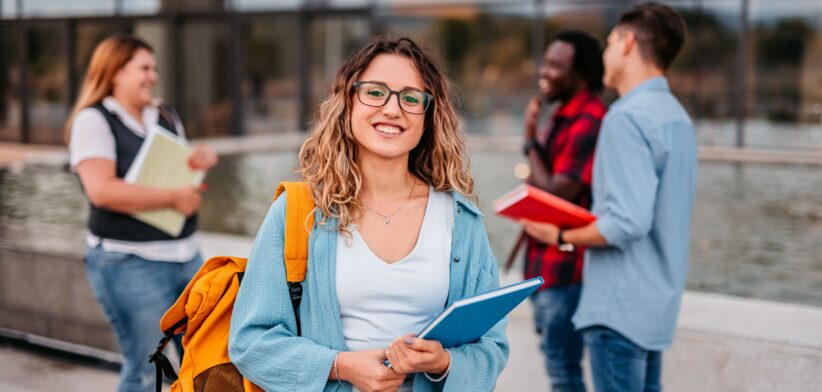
(645, 169)
(262, 341)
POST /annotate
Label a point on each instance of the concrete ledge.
(753, 319)
(45, 296)
(727, 343)
(15, 156)
(760, 155)
(706, 153)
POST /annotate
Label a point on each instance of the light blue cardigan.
(263, 342)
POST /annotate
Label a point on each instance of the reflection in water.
(756, 228)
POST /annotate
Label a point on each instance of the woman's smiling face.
(388, 131)
(135, 82)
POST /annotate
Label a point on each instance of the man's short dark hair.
(660, 31)
(587, 56)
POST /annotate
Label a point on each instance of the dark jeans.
(561, 344)
(619, 365)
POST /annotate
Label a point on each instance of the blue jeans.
(561, 344)
(134, 294)
(619, 365)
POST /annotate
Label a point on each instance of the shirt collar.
(150, 115)
(657, 83)
(464, 202)
(574, 106)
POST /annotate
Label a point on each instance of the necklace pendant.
(386, 220)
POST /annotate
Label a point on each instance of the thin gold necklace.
(386, 218)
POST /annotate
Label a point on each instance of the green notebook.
(162, 162)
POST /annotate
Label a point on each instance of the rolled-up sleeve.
(625, 181)
(90, 137)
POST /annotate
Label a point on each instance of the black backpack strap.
(160, 360)
(295, 289)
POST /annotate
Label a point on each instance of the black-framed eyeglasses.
(377, 94)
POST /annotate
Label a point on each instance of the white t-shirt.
(91, 137)
(381, 301)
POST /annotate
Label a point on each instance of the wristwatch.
(531, 144)
(561, 244)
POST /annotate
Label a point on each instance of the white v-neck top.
(381, 301)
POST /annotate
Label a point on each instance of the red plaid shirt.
(567, 146)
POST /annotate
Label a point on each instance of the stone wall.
(47, 294)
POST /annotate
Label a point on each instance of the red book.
(528, 202)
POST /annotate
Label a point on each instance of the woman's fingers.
(428, 346)
(202, 158)
(398, 362)
(407, 361)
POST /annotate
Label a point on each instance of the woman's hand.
(187, 199)
(365, 369)
(409, 354)
(542, 232)
(202, 158)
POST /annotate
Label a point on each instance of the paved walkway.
(27, 370)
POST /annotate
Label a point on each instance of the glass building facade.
(750, 74)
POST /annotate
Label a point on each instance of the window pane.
(151, 7)
(47, 83)
(8, 9)
(9, 85)
(333, 39)
(206, 65)
(487, 51)
(270, 78)
(785, 102)
(264, 5)
(350, 3)
(141, 7)
(57, 8)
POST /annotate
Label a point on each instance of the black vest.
(114, 225)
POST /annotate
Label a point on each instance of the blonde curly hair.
(328, 158)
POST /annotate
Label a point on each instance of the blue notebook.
(466, 320)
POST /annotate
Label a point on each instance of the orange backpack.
(203, 311)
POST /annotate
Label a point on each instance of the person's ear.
(628, 42)
(116, 79)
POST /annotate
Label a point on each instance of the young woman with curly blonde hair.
(396, 240)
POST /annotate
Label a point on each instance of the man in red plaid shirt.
(561, 157)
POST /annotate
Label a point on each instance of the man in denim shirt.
(644, 182)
